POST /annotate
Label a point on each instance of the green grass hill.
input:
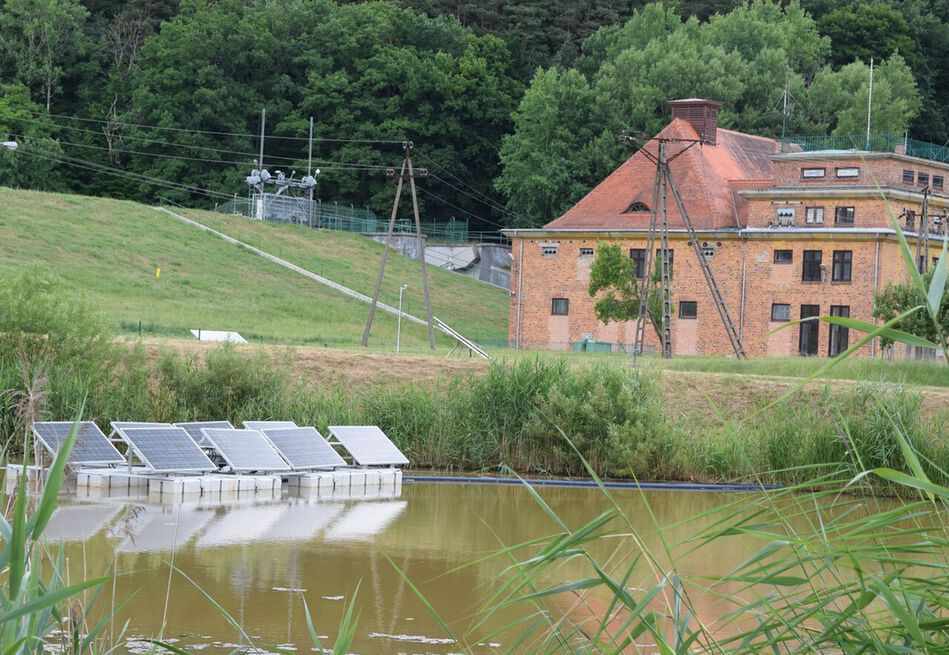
(109, 251)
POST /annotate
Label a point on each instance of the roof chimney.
(702, 114)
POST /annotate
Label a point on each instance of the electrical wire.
(100, 168)
(142, 126)
(321, 163)
(487, 200)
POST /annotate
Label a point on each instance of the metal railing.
(884, 142)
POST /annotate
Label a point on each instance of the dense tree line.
(517, 108)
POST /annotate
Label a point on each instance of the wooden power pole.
(407, 173)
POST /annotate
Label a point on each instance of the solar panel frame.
(368, 445)
(304, 448)
(194, 429)
(227, 442)
(156, 455)
(268, 425)
(104, 451)
(119, 426)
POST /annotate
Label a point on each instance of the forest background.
(517, 109)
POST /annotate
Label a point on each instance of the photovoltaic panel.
(368, 445)
(92, 447)
(194, 428)
(119, 426)
(167, 449)
(268, 425)
(304, 448)
(245, 450)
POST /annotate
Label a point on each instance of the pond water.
(260, 560)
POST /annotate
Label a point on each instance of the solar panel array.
(304, 448)
(368, 445)
(268, 425)
(167, 449)
(245, 450)
(91, 447)
(119, 426)
(194, 428)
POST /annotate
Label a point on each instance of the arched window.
(637, 207)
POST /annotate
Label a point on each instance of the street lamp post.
(9, 145)
(398, 326)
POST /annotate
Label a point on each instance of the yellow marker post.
(158, 272)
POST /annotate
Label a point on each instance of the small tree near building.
(897, 298)
(614, 283)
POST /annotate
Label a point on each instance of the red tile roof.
(707, 177)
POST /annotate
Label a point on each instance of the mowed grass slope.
(109, 251)
(477, 310)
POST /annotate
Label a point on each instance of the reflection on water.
(260, 559)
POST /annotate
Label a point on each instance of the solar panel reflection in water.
(167, 449)
(268, 425)
(245, 450)
(91, 447)
(304, 448)
(368, 445)
(194, 428)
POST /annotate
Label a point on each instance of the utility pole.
(922, 234)
(398, 324)
(660, 215)
(409, 173)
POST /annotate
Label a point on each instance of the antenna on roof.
(784, 113)
(869, 104)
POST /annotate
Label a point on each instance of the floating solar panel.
(268, 425)
(167, 449)
(245, 450)
(304, 448)
(91, 447)
(368, 445)
(194, 429)
(119, 426)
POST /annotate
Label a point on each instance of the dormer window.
(637, 207)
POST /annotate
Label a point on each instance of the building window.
(548, 251)
(910, 219)
(637, 207)
(785, 215)
(780, 312)
(922, 179)
(843, 215)
(688, 309)
(847, 172)
(811, 271)
(638, 255)
(812, 172)
(809, 330)
(559, 306)
(938, 181)
(908, 176)
(586, 252)
(814, 215)
(839, 335)
(783, 256)
(843, 262)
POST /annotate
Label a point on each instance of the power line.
(487, 200)
(322, 164)
(142, 126)
(100, 168)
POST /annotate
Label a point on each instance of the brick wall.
(566, 275)
(873, 171)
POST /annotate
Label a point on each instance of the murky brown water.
(260, 560)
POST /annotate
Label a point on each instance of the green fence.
(336, 216)
(876, 143)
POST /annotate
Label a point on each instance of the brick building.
(789, 233)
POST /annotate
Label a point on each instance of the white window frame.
(812, 214)
(847, 172)
(813, 173)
